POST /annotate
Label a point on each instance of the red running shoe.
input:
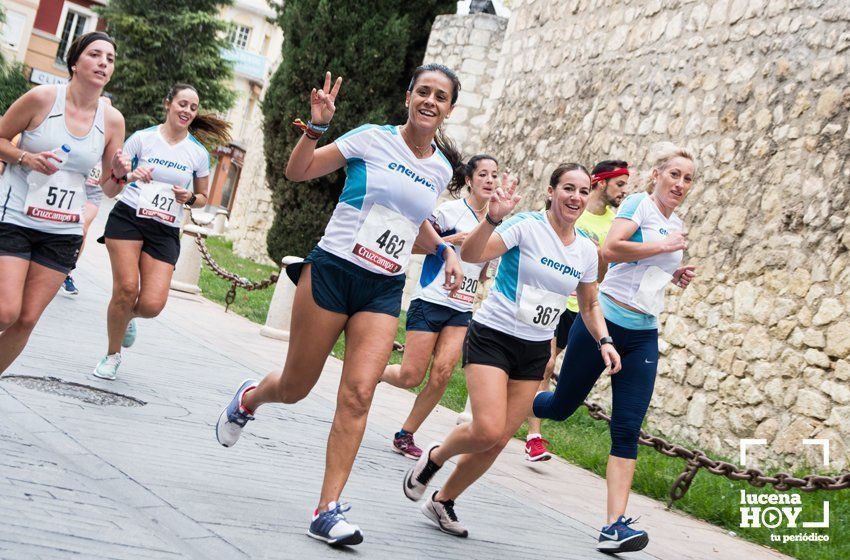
(403, 445)
(535, 450)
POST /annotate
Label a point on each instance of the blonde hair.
(661, 154)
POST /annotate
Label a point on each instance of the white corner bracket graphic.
(825, 443)
(819, 524)
(746, 442)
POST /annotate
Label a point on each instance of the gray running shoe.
(420, 474)
(443, 514)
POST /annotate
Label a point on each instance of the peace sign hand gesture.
(322, 106)
(504, 199)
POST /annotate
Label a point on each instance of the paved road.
(94, 480)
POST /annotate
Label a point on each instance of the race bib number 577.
(60, 198)
(385, 240)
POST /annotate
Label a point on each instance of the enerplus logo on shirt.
(401, 168)
(564, 268)
(168, 164)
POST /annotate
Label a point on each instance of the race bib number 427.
(157, 202)
(385, 240)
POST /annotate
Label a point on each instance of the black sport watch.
(191, 200)
(605, 340)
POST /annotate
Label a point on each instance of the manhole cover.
(62, 388)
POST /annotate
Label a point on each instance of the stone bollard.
(280, 308)
(188, 268)
(219, 221)
(466, 415)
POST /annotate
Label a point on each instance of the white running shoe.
(443, 514)
(107, 368)
(233, 418)
(420, 474)
(332, 527)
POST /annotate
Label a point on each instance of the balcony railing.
(247, 64)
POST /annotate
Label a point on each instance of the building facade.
(39, 34)
(255, 46)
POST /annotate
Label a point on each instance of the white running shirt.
(64, 215)
(388, 193)
(535, 277)
(451, 217)
(176, 164)
(640, 284)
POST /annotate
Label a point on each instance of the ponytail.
(447, 146)
(210, 130)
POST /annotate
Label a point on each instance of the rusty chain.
(696, 460)
(235, 280)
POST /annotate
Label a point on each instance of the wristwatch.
(191, 200)
(605, 340)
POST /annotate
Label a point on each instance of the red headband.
(596, 177)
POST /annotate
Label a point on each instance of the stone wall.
(470, 45)
(758, 346)
(252, 214)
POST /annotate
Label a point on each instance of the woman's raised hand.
(322, 106)
(504, 199)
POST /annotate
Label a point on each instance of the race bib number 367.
(385, 240)
(540, 308)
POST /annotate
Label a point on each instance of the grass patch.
(585, 442)
(252, 305)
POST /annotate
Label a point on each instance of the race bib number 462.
(385, 240)
(540, 308)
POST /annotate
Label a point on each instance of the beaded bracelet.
(491, 221)
(311, 130)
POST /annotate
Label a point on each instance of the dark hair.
(444, 143)
(472, 164)
(559, 172)
(609, 165)
(209, 129)
(81, 43)
(433, 67)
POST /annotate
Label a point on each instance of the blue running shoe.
(332, 527)
(619, 537)
(130, 334)
(68, 287)
(234, 417)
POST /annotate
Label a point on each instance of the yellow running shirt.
(595, 227)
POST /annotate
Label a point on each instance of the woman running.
(608, 181)
(66, 130)
(353, 280)
(645, 246)
(437, 320)
(172, 169)
(94, 196)
(507, 344)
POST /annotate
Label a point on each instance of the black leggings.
(632, 386)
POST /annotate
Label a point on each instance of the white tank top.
(86, 152)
